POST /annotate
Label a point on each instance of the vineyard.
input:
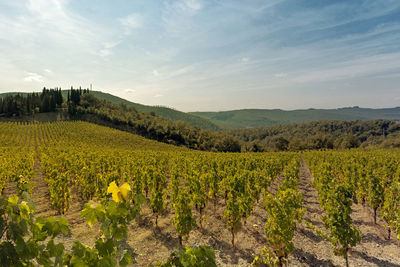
(328, 208)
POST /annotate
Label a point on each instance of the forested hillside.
(266, 117)
(165, 112)
(321, 135)
(150, 125)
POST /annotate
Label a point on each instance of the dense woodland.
(46, 101)
(321, 135)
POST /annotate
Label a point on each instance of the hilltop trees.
(26, 104)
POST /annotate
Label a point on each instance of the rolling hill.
(247, 118)
(165, 112)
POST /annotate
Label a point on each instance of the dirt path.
(79, 229)
(312, 250)
(10, 189)
(40, 193)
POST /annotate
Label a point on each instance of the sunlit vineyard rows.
(82, 160)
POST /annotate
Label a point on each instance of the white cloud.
(105, 52)
(281, 75)
(107, 48)
(189, 7)
(182, 71)
(156, 73)
(53, 17)
(245, 59)
(46, 31)
(110, 45)
(192, 4)
(130, 90)
(33, 77)
(366, 66)
(158, 95)
(47, 9)
(131, 22)
(178, 17)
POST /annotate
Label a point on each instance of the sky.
(207, 55)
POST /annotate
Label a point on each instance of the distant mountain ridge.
(247, 118)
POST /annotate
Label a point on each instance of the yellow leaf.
(125, 189)
(112, 188)
(116, 195)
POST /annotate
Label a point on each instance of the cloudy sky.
(199, 55)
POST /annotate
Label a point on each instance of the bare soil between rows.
(150, 244)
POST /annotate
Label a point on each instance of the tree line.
(28, 104)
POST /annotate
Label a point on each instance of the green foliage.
(114, 218)
(336, 190)
(18, 104)
(191, 256)
(26, 240)
(233, 215)
(151, 126)
(320, 135)
(281, 144)
(24, 185)
(157, 203)
(343, 234)
(58, 184)
(350, 141)
(285, 210)
(391, 207)
(183, 219)
(165, 112)
(375, 191)
(250, 118)
(198, 187)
